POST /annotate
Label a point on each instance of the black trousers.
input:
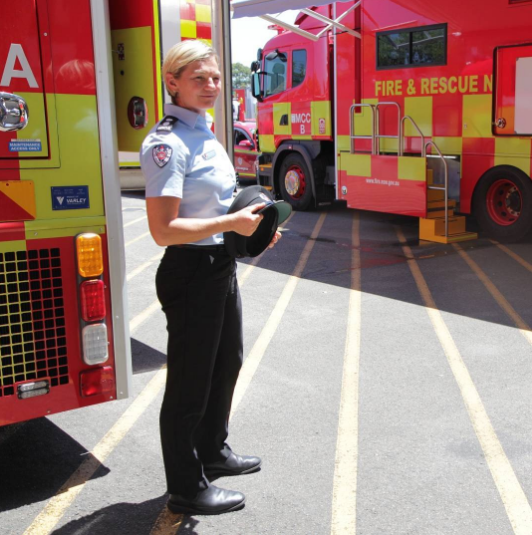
(199, 294)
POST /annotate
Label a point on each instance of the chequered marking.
(33, 341)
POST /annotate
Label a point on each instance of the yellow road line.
(135, 221)
(521, 324)
(144, 315)
(251, 266)
(45, 522)
(512, 495)
(257, 352)
(343, 519)
(249, 269)
(515, 256)
(48, 518)
(144, 266)
(141, 237)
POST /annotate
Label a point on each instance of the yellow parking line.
(346, 464)
(141, 237)
(45, 522)
(144, 266)
(512, 495)
(48, 518)
(521, 324)
(513, 255)
(251, 266)
(257, 352)
(135, 221)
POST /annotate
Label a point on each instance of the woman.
(189, 188)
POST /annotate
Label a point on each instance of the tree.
(241, 76)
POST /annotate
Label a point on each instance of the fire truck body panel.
(463, 98)
(52, 186)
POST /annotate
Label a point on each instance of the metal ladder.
(376, 136)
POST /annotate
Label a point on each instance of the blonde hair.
(182, 54)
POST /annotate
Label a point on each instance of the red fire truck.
(406, 107)
(64, 337)
(63, 315)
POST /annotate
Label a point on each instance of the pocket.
(178, 268)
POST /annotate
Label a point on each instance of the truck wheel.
(503, 203)
(295, 182)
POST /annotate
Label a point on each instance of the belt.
(211, 249)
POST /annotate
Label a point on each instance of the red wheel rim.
(504, 202)
(294, 182)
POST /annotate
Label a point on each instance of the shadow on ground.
(127, 519)
(36, 458)
(145, 358)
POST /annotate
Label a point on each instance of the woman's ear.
(171, 83)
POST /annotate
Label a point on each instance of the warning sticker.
(70, 197)
(25, 145)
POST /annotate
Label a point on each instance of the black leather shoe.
(211, 501)
(234, 465)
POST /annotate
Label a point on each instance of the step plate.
(452, 238)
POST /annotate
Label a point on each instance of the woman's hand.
(275, 239)
(246, 221)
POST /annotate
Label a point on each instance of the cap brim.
(283, 209)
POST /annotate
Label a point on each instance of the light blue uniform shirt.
(184, 159)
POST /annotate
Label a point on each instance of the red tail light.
(93, 300)
(99, 381)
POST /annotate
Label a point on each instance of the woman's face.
(198, 86)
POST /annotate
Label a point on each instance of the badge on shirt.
(209, 155)
(161, 154)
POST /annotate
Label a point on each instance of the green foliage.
(241, 76)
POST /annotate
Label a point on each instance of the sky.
(250, 33)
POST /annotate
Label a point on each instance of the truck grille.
(32, 319)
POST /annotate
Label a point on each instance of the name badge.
(209, 155)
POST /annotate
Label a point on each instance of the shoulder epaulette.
(167, 124)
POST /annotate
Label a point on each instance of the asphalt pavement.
(386, 386)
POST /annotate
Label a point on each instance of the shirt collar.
(190, 118)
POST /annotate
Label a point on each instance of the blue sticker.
(25, 145)
(70, 197)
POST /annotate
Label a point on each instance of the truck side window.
(299, 66)
(413, 47)
(275, 79)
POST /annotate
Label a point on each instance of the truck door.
(26, 71)
(513, 91)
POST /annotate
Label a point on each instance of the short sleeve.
(163, 160)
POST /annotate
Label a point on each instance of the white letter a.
(16, 52)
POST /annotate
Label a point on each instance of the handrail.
(378, 135)
(352, 135)
(446, 182)
(401, 147)
(375, 144)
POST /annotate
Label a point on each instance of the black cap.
(274, 213)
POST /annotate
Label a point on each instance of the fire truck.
(64, 337)
(405, 107)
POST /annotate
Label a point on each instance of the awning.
(257, 8)
(264, 8)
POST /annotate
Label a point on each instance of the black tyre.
(295, 182)
(503, 203)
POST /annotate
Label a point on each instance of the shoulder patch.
(161, 154)
(167, 124)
